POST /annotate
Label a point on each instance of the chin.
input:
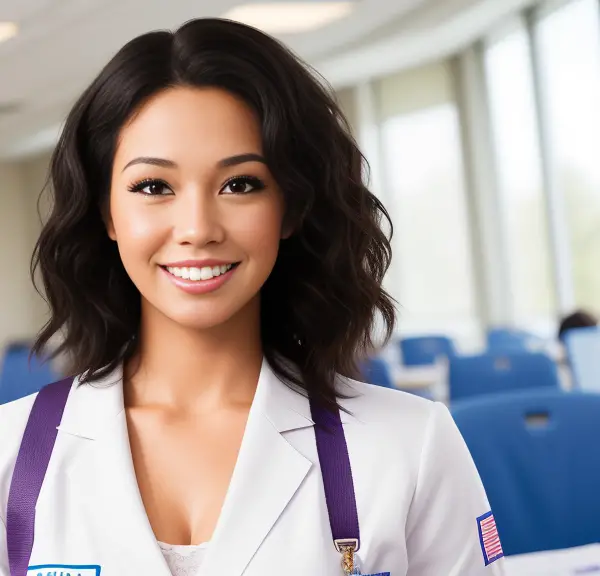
(202, 320)
(208, 315)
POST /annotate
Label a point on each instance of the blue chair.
(510, 339)
(376, 371)
(583, 352)
(537, 454)
(493, 373)
(425, 350)
(19, 376)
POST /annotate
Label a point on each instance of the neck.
(183, 368)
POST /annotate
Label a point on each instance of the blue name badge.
(63, 570)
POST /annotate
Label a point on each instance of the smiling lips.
(199, 277)
(194, 273)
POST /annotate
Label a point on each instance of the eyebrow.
(224, 163)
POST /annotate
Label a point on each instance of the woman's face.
(195, 212)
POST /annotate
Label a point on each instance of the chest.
(183, 467)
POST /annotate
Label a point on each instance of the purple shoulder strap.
(30, 469)
(337, 477)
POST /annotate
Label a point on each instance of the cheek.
(137, 232)
(260, 233)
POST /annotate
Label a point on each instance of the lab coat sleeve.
(442, 526)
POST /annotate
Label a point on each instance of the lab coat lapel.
(102, 477)
(267, 474)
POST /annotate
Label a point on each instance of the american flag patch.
(488, 536)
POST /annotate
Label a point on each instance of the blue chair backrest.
(510, 339)
(537, 454)
(583, 351)
(493, 373)
(19, 377)
(376, 371)
(425, 350)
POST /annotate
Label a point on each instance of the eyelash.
(256, 183)
(139, 186)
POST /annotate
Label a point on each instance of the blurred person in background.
(214, 261)
(577, 319)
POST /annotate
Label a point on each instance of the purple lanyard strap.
(337, 480)
(30, 469)
(38, 443)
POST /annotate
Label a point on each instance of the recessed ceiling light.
(289, 17)
(8, 30)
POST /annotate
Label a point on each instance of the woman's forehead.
(190, 123)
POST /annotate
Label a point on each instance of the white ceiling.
(64, 43)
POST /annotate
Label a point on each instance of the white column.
(556, 212)
(368, 134)
(490, 246)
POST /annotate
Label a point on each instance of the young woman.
(214, 262)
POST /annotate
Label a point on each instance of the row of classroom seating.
(512, 360)
(424, 350)
(533, 441)
(487, 373)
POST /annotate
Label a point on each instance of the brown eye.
(151, 188)
(155, 188)
(242, 185)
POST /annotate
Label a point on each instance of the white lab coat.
(418, 492)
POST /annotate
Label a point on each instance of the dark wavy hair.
(323, 298)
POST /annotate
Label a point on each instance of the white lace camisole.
(183, 560)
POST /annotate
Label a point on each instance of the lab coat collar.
(268, 472)
(94, 406)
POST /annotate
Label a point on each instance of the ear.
(110, 229)
(287, 228)
(108, 223)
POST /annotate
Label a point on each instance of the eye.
(150, 187)
(242, 185)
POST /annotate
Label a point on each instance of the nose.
(198, 219)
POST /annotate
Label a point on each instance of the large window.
(534, 182)
(432, 275)
(568, 41)
(518, 162)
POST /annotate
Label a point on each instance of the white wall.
(22, 310)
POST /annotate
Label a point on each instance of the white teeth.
(205, 273)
